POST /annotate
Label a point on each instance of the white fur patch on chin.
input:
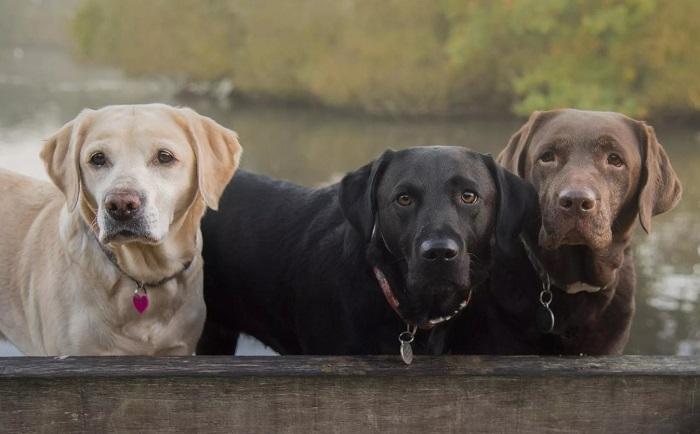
(577, 287)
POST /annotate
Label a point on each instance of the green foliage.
(414, 56)
(635, 56)
(189, 38)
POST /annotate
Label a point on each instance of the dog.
(397, 246)
(107, 261)
(572, 290)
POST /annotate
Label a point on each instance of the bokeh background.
(316, 88)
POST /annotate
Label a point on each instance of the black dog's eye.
(469, 197)
(615, 160)
(404, 199)
(165, 157)
(547, 157)
(98, 159)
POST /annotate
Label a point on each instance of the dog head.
(594, 172)
(434, 214)
(132, 171)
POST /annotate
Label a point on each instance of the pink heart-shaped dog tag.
(140, 302)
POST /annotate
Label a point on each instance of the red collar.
(394, 302)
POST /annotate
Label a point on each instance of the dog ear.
(513, 156)
(218, 155)
(660, 188)
(61, 156)
(357, 194)
(517, 207)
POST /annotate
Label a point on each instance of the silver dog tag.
(406, 353)
(405, 339)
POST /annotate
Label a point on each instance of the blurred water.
(41, 90)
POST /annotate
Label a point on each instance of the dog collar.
(572, 288)
(394, 302)
(544, 317)
(140, 298)
(406, 337)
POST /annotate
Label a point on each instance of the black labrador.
(399, 243)
(595, 174)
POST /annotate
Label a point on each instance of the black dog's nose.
(439, 250)
(581, 200)
(122, 205)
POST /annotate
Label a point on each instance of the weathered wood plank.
(222, 366)
(342, 394)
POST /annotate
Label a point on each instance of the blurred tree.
(413, 56)
(189, 38)
(634, 56)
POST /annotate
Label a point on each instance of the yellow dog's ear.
(660, 188)
(218, 154)
(513, 156)
(61, 155)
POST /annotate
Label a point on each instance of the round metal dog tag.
(405, 339)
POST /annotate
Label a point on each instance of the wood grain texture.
(341, 394)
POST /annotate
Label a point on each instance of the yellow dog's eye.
(165, 157)
(404, 199)
(98, 159)
(615, 160)
(469, 197)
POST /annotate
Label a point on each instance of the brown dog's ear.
(218, 154)
(512, 157)
(61, 155)
(660, 187)
(357, 195)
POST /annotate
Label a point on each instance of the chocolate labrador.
(572, 291)
(398, 244)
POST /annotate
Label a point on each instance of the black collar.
(141, 284)
(548, 281)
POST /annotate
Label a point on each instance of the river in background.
(40, 90)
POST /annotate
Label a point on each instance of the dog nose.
(439, 250)
(122, 205)
(577, 200)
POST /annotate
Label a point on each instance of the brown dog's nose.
(577, 200)
(123, 205)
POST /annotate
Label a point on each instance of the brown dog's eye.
(547, 157)
(615, 160)
(404, 200)
(98, 159)
(165, 157)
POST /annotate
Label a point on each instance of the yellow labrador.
(111, 263)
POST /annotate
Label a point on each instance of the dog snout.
(437, 250)
(578, 201)
(123, 205)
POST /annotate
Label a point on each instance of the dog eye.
(404, 200)
(615, 160)
(98, 159)
(165, 157)
(547, 156)
(469, 197)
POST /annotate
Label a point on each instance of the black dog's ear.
(517, 208)
(358, 191)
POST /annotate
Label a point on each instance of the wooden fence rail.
(629, 394)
